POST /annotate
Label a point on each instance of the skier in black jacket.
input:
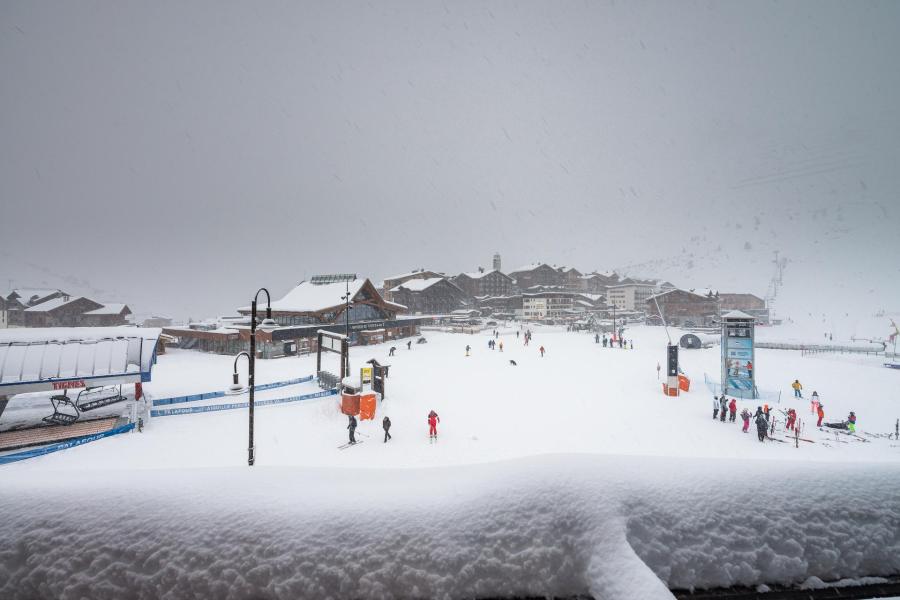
(386, 423)
(352, 428)
(762, 424)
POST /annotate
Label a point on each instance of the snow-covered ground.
(566, 474)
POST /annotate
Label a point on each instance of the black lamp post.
(236, 387)
(267, 325)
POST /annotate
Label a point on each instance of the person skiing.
(386, 423)
(501, 346)
(433, 420)
(596, 338)
(352, 427)
(542, 351)
(392, 350)
(631, 344)
(409, 345)
(745, 415)
(517, 333)
(851, 422)
(821, 414)
(761, 425)
(797, 387)
(604, 341)
(732, 410)
(723, 407)
(467, 349)
(715, 407)
(814, 402)
(791, 417)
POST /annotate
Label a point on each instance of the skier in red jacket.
(791, 418)
(433, 420)
(732, 410)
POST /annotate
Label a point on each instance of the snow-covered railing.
(820, 348)
(219, 394)
(187, 410)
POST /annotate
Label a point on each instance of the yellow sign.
(365, 374)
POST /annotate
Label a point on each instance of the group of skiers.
(433, 420)
(612, 341)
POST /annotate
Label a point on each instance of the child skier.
(542, 351)
(814, 402)
(715, 407)
(797, 387)
(851, 422)
(433, 420)
(821, 413)
(386, 423)
(732, 410)
(791, 417)
(723, 407)
(745, 415)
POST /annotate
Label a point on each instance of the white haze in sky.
(176, 156)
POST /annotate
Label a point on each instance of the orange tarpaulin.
(367, 406)
(669, 391)
(684, 384)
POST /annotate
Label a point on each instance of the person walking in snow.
(596, 338)
(631, 344)
(604, 341)
(517, 333)
(392, 350)
(732, 410)
(762, 424)
(851, 422)
(745, 415)
(501, 346)
(723, 407)
(820, 412)
(409, 345)
(814, 402)
(467, 349)
(433, 420)
(542, 351)
(716, 405)
(797, 387)
(386, 423)
(352, 428)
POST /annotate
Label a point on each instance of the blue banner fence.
(715, 387)
(210, 395)
(188, 410)
(9, 458)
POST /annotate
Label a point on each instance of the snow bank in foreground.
(621, 527)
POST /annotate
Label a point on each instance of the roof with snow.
(54, 304)
(309, 297)
(29, 293)
(59, 358)
(109, 309)
(736, 314)
(418, 285)
(530, 267)
(481, 274)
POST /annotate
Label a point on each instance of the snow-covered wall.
(622, 527)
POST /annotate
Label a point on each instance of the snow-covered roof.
(33, 359)
(530, 267)
(410, 274)
(108, 309)
(480, 274)
(308, 297)
(736, 314)
(29, 293)
(52, 304)
(418, 285)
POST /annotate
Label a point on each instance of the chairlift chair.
(97, 397)
(62, 418)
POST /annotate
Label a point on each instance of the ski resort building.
(537, 274)
(434, 296)
(683, 308)
(748, 303)
(56, 308)
(312, 305)
(484, 283)
(390, 283)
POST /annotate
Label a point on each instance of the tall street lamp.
(267, 325)
(236, 387)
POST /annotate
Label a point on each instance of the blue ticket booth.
(738, 359)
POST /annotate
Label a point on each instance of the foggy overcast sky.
(178, 156)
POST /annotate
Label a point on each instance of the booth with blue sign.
(738, 359)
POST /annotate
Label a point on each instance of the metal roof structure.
(33, 360)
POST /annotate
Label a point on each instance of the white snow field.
(567, 474)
